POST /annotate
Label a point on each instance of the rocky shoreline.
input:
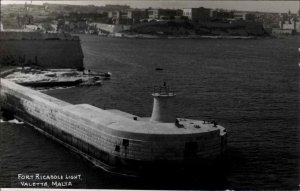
(49, 78)
(196, 30)
(145, 36)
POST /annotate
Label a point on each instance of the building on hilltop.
(196, 14)
(200, 14)
(222, 14)
(242, 15)
(129, 16)
(292, 25)
(163, 13)
(289, 22)
(135, 15)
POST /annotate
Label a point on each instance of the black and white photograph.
(149, 95)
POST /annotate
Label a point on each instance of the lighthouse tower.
(163, 105)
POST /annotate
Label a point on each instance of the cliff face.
(44, 50)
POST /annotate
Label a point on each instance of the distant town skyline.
(243, 5)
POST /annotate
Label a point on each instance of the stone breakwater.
(116, 138)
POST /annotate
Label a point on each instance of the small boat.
(159, 69)
(104, 75)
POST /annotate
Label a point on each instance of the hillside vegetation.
(184, 28)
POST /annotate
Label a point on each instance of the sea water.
(251, 87)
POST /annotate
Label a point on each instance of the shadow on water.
(205, 177)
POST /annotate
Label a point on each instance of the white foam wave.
(13, 121)
(55, 88)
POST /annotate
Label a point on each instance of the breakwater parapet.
(117, 138)
(47, 50)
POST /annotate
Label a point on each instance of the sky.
(243, 5)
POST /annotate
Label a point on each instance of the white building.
(290, 25)
(197, 13)
(110, 28)
(287, 25)
(31, 27)
(187, 12)
(240, 15)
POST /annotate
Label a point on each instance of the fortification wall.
(113, 146)
(46, 50)
(111, 28)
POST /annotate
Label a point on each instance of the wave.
(54, 88)
(13, 121)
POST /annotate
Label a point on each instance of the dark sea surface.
(250, 86)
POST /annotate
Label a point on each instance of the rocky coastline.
(49, 78)
(199, 30)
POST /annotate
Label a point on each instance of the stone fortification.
(114, 137)
(49, 50)
(109, 28)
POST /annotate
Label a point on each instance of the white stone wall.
(111, 28)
